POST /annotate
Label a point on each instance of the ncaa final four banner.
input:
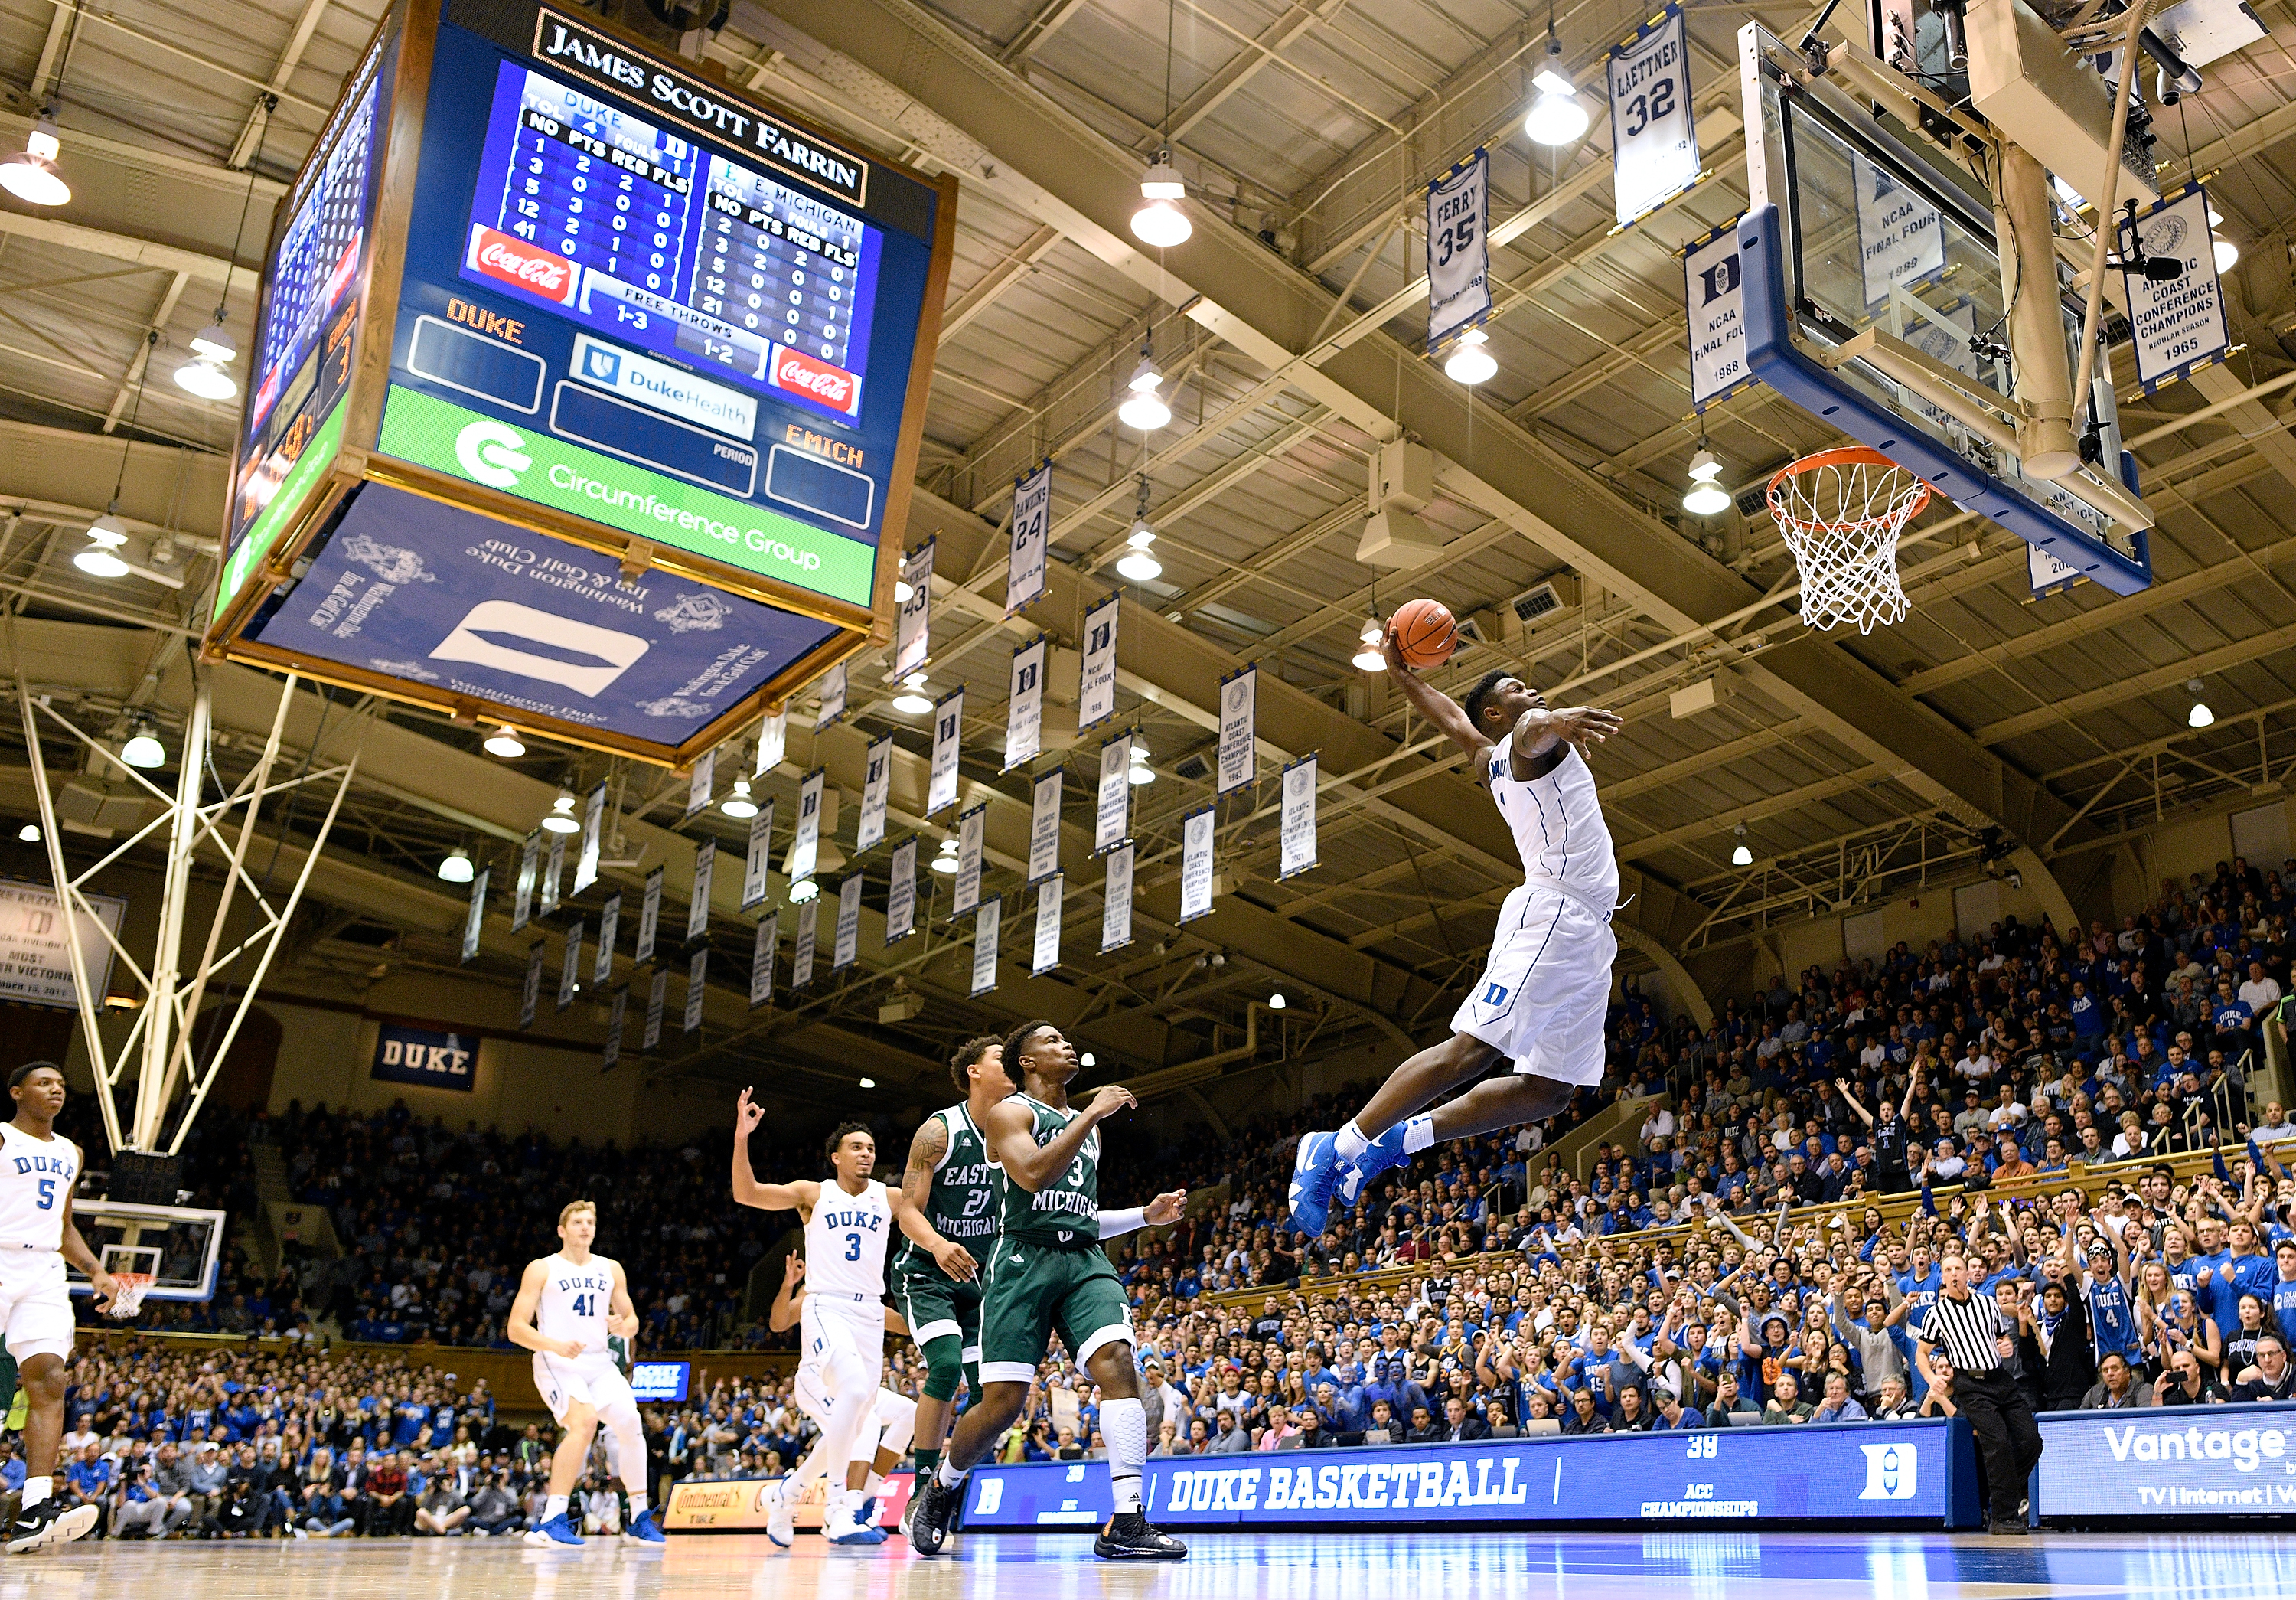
(947, 742)
(1458, 250)
(704, 787)
(876, 792)
(1653, 144)
(1713, 295)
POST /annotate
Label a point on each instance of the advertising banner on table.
(901, 897)
(876, 791)
(593, 822)
(761, 960)
(808, 922)
(1715, 296)
(758, 856)
(2180, 327)
(746, 1504)
(697, 904)
(1653, 144)
(1116, 899)
(832, 698)
(1238, 754)
(649, 918)
(805, 849)
(1044, 827)
(947, 742)
(1046, 952)
(773, 742)
(971, 838)
(426, 1057)
(1195, 864)
(474, 921)
(1112, 822)
(657, 997)
(1032, 518)
(1096, 687)
(1458, 250)
(569, 964)
(609, 932)
(912, 624)
(529, 870)
(553, 866)
(2172, 1461)
(530, 996)
(1298, 827)
(697, 989)
(847, 948)
(1858, 1474)
(986, 926)
(703, 788)
(1024, 706)
(611, 1057)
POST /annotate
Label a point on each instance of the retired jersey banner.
(846, 950)
(805, 849)
(610, 930)
(611, 1057)
(1298, 826)
(530, 869)
(1238, 750)
(761, 960)
(1032, 520)
(1024, 708)
(876, 792)
(656, 997)
(1458, 250)
(531, 997)
(947, 744)
(808, 922)
(2180, 327)
(832, 698)
(971, 839)
(1044, 827)
(1653, 144)
(697, 904)
(986, 926)
(553, 865)
(474, 922)
(901, 897)
(912, 624)
(1716, 299)
(570, 965)
(593, 822)
(1096, 690)
(1116, 899)
(758, 856)
(1195, 864)
(649, 918)
(696, 988)
(1046, 954)
(773, 742)
(704, 787)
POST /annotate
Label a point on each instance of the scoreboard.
(589, 387)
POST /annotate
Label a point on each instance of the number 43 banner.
(1653, 145)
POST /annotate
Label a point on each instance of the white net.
(1841, 511)
(128, 1295)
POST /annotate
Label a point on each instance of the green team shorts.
(935, 1306)
(1034, 1291)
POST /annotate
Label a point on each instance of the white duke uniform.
(1545, 991)
(576, 1302)
(35, 1181)
(842, 1321)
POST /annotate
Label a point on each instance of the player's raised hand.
(957, 1261)
(1165, 1207)
(747, 1114)
(794, 1269)
(1393, 652)
(1108, 1100)
(1580, 727)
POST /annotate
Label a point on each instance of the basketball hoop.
(1841, 512)
(127, 1294)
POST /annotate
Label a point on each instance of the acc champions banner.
(2180, 1461)
(418, 1055)
(1865, 1472)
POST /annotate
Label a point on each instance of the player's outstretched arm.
(799, 1196)
(76, 1252)
(1011, 1133)
(1544, 733)
(788, 1300)
(519, 1324)
(1160, 1212)
(1431, 702)
(926, 1148)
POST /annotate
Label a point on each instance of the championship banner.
(773, 742)
(531, 995)
(698, 793)
(1713, 294)
(761, 960)
(1024, 706)
(971, 839)
(913, 625)
(1238, 763)
(805, 849)
(656, 996)
(1458, 250)
(610, 930)
(1116, 899)
(1653, 144)
(809, 920)
(530, 868)
(2047, 574)
(1096, 690)
(758, 859)
(1112, 820)
(985, 928)
(569, 964)
(947, 742)
(649, 918)
(832, 698)
(697, 904)
(425, 1056)
(2180, 327)
(1298, 827)
(554, 868)
(476, 920)
(593, 821)
(847, 948)
(611, 1057)
(1032, 520)
(901, 899)
(1044, 827)
(876, 790)
(696, 988)
(1195, 864)
(1900, 235)
(1046, 954)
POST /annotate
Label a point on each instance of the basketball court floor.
(1698, 1565)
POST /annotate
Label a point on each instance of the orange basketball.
(1425, 633)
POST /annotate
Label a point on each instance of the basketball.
(1425, 633)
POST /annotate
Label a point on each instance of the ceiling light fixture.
(2227, 253)
(1707, 497)
(1160, 224)
(504, 742)
(30, 174)
(1142, 408)
(1741, 856)
(946, 862)
(1557, 115)
(901, 591)
(1138, 566)
(144, 748)
(29, 834)
(1141, 772)
(1368, 654)
(1276, 1001)
(212, 350)
(2200, 716)
(738, 804)
(1471, 361)
(1085, 1059)
(868, 1083)
(561, 818)
(802, 890)
(456, 867)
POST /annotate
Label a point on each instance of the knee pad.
(944, 1364)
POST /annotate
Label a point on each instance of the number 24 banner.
(1653, 144)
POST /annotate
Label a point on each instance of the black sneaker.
(1130, 1536)
(928, 1518)
(49, 1523)
(2009, 1527)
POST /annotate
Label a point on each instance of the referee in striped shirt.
(1967, 1329)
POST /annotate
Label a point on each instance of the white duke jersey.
(1558, 826)
(35, 1179)
(576, 1300)
(844, 1241)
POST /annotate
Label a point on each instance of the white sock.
(948, 1474)
(554, 1507)
(36, 1489)
(1126, 1423)
(1349, 1142)
(876, 1483)
(1418, 1133)
(637, 1502)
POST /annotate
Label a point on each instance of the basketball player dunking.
(1543, 996)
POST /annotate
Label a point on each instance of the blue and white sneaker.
(865, 1514)
(843, 1528)
(645, 1530)
(559, 1529)
(1314, 1171)
(781, 1515)
(1382, 1152)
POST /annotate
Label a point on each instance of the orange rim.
(1846, 456)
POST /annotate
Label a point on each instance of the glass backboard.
(179, 1245)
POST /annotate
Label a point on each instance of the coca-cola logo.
(515, 261)
(830, 385)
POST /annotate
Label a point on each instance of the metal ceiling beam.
(54, 231)
(244, 147)
(997, 280)
(148, 159)
(2070, 708)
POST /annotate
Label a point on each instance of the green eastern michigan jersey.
(1066, 1211)
(962, 1204)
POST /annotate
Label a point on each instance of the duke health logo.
(492, 453)
(1892, 1471)
(602, 363)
